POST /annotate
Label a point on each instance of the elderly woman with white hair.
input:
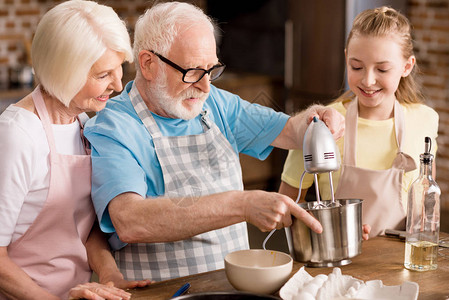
(49, 242)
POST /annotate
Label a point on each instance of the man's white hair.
(157, 28)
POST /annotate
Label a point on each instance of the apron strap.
(349, 151)
(144, 113)
(46, 123)
(399, 124)
(402, 160)
(43, 115)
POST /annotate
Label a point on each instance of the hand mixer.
(320, 156)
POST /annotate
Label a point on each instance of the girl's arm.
(292, 192)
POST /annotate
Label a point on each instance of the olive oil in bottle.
(421, 256)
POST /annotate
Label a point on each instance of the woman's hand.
(98, 291)
(118, 281)
(126, 284)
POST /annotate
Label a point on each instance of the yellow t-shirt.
(376, 148)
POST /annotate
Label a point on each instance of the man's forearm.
(163, 220)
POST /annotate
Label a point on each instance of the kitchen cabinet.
(314, 66)
(263, 90)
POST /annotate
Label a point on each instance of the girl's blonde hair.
(386, 21)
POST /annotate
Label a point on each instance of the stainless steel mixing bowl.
(340, 240)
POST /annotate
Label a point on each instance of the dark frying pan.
(225, 296)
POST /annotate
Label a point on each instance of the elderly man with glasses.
(167, 183)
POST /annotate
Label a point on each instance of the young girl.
(386, 123)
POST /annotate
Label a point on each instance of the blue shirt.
(123, 156)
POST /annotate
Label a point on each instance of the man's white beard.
(173, 106)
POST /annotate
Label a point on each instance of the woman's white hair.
(69, 39)
(157, 28)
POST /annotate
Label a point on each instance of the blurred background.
(286, 54)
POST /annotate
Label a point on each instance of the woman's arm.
(101, 261)
(15, 283)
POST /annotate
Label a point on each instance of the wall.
(430, 19)
(17, 22)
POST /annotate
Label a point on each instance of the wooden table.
(382, 258)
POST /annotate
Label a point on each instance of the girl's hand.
(97, 291)
(366, 230)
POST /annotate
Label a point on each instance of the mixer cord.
(297, 200)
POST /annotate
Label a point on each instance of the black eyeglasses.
(194, 75)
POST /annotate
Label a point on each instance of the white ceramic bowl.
(257, 270)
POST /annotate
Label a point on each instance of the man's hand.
(269, 211)
(292, 136)
(332, 118)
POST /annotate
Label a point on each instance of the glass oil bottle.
(423, 217)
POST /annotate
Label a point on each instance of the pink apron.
(52, 250)
(380, 190)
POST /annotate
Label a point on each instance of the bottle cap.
(426, 157)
